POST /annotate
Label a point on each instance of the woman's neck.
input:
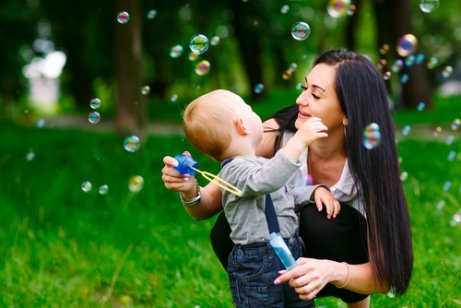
(326, 160)
(330, 148)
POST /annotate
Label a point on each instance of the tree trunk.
(131, 108)
(249, 41)
(80, 82)
(394, 21)
(351, 27)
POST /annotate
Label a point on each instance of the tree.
(18, 28)
(131, 108)
(394, 20)
(84, 33)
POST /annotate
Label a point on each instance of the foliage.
(86, 31)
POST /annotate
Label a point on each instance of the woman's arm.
(311, 275)
(266, 146)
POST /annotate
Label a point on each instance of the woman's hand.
(309, 277)
(174, 180)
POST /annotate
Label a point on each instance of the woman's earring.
(345, 123)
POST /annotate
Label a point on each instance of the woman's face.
(319, 98)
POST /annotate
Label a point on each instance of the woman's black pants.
(341, 239)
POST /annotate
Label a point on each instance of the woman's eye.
(315, 96)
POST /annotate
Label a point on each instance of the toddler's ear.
(240, 126)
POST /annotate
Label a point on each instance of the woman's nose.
(302, 98)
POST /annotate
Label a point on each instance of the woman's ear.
(241, 128)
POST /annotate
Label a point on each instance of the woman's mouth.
(303, 115)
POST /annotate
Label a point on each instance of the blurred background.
(91, 97)
(57, 57)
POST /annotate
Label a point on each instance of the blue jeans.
(252, 270)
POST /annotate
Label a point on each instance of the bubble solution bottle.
(282, 251)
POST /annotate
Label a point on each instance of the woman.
(347, 92)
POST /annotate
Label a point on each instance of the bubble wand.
(186, 165)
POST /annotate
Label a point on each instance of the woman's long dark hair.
(363, 98)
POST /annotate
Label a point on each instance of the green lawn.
(62, 247)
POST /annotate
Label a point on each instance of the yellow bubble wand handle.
(218, 181)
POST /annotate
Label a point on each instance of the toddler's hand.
(323, 196)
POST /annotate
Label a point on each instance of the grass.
(63, 247)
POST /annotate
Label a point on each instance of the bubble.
(455, 124)
(132, 144)
(103, 189)
(371, 136)
(300, 183)
(202, 68)
(437, 131)
(428, 6)
(285, 9)
(387, 75)
(94, 117)
(450, 140)
(199, 44)
(421, 106)
(404, 78)
(193, 56)
(309, 179)
(287, 74)
(384, 49)
(406, 130)
(123, 17)
(215, 40)
(292, 67)
(446, 185)
(136, 183)
(397, 66)
(174, 98)
(86, 186)
(145, 90)
(403, 176)
(382, 64)
(452, 155)
(259, 87)
(338, 8)
(420, 58)
(299, 86)
(410, 60)
(351, 10)
(222, 31)
(456, 219)
(432, 63)
(95, 103)
(176, 51)
(30, 155)
(440, 205)
(447, 71)
(40, 123)
(406, 45)
(151, 14)
(391, 294)
(300, 30)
